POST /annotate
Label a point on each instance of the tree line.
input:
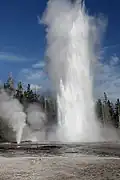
(27, 96)
(107, 112)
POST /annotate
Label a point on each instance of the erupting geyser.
(12, 117)
(72, 36)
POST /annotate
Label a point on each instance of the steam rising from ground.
(36, 121)
(73, 39)
(16, 125)
(12, 115)
(35, 117)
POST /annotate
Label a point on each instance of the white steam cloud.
(12, 115)
(16, 125)
(36, 118)
(74, 40)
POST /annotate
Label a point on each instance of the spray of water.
(13, 126)
(33, 135)
(36, 118)
(36, 122)
(72, 37)
(11, 116)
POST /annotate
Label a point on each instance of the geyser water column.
(71, 38)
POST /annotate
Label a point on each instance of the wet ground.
(85, 161)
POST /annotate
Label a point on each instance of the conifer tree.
(117, 113)
(99, 110)
(107, 110)
(19, 91)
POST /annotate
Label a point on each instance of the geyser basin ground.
(88, 161)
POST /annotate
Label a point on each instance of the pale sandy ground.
(73, 167)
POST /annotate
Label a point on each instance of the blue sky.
(22, 42)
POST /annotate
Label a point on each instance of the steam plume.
(36, 118)
(12, 116)
(73, 39)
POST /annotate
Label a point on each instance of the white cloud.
(39, 20)
(36, 77)
(8, 56)
(35, 87)
(32, 75)
(111, 46)
(107, 78)
(40, 64)
(114, 60)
